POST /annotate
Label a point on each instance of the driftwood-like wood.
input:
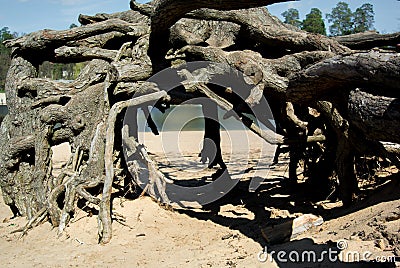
(260, 27)
(130, 16)
(268, 135)
(84, 54)
(50, 38)
(367, 70)
(352, 98)
(368, 40)
(378, 117)
(105, 204)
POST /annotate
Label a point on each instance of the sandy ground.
(225, 235)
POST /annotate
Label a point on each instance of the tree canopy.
(291, 17)
(314, 23)
(5, 34)
(5, 52)
(363, 18)
(345, 22)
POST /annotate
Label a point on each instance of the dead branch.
(130, 16)
(268, 135)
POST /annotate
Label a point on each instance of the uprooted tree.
(353, 86)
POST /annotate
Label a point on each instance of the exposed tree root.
(105, 205)
(354, 95)
(35, 221)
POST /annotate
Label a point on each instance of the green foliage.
(363, 18)
(77, 69)
(341, 19)
(54, 71)
(345, 22)
(314, 23)
(5, 34)
(5, 54)
(60, 71)
(292, 17)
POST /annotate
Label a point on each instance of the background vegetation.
(342, 19)
(54, 71)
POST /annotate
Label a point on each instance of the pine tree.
(341, 19)
(363, 18)
(5, 53)
(314, 23)
(292, 17)
(344, 21)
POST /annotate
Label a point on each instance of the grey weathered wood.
(49, 38)
(343, 72)
(378, 117)
(84, 54)
(130, 16)
(105, 205)
(368, 40)
(282, 63)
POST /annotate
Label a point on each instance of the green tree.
(314, 23)
(363, 18)
(6, 34)
(292, 17)
(5, 53)
(341, 18)
(344, 21)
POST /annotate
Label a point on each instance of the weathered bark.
(287, 66)
(167, 12)
(378, 117)
(345, 151)
(146, 9)
(46, 39)
(345, 170)
(374, 72)
(105, 204)
(268, 135)
(268, 75)
(368, 40)
(128, 16)
(194, 32)
(260, 27)
(84, 54)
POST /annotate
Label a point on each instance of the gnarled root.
(105, 230)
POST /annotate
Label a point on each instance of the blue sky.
(25, 16)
